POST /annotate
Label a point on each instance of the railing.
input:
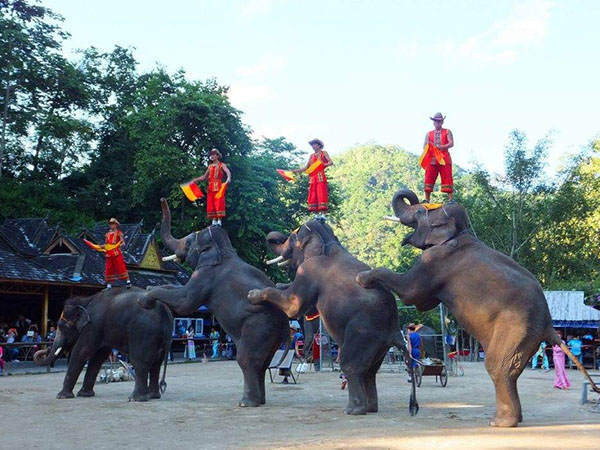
(26, 349)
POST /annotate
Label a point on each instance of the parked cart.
(431, 367)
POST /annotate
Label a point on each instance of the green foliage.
(367, 177)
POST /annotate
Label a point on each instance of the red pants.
(431, 174)
(215, 207)
(115, 269)
(318, 196)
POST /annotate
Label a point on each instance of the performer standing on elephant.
(436, 159)
(115, 264)
(215, 198)
(318, 190)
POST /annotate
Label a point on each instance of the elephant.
(491, 296)
(90, 327)
(221, 280)
(363, 322)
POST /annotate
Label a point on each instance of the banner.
(221, 191)
(192, 191)
(287, 175)
(431, 151)
(314, 166)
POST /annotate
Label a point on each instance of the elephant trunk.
(402, 210)
(177, 246)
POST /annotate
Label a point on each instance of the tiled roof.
(569, 306)
(15, 267)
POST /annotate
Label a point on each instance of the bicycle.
(455, 367)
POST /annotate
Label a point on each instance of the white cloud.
(267, 64)
(408, 49)
(253, 8)
(244, 93)
(504, 40)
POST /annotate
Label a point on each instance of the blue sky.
(353, 72)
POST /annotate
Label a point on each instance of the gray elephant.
(221, 281)
(490, 295)
(90, 327)
(363, 322)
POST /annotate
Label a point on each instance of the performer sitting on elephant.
(215, 198)
(436, 158)
(115, 264)
(318, 191)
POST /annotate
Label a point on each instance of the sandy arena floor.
(199, 410)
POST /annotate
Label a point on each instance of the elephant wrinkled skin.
(221, 281)
(363, 322)
(490, 295)
(90, 327)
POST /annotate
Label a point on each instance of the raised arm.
(301, 169)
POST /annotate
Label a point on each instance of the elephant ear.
(75, 316)
(280, 244)
(441, 231)
(209, 256)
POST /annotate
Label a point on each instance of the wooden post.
(45, 313)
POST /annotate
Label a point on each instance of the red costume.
(433, 167)
(215, 198)
(115, 264)
(318, 191)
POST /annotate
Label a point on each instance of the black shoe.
(285, 381)
(128, 285)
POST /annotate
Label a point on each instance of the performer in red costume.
(215, 197)
(318, 191)
(115, 264)
(436, 158)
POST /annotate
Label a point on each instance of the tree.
(30, 36)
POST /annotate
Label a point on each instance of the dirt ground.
(199, 410)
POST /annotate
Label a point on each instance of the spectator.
(12, 352)
(414, 345)
(22, 325)
(561, 381)
(190, 350)
(51, 334)
(32, 336)
(575, 345)
(541, 352)
(295, 336)
(214, 335)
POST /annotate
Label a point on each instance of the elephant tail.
(399, 342)
(555, 339)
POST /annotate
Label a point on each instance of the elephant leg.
(251, 369)
(140, 390)
(154, 387)
(371, 387)
(91, 373)
(357, 394)
(505, 363)
(77, 360)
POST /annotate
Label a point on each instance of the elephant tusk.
(274, 260)
(171, 258)
(391, 218)
(283, 263)
(57, 351)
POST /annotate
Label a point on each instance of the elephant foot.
(504, 422)
(372, 408)
(247, 403)
(520, 417)
(86, 393)
(254, 296)
(135, 397)
(64, 394)
(147, 302)
(365, 279)
(356, 410)
(263, 401)
(154, 395)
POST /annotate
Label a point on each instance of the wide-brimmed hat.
(319, 142)
(214, 151)
(438, 116)
(113, 220)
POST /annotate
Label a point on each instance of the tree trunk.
(5, 115)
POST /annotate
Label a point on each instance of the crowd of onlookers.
(20, 331)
